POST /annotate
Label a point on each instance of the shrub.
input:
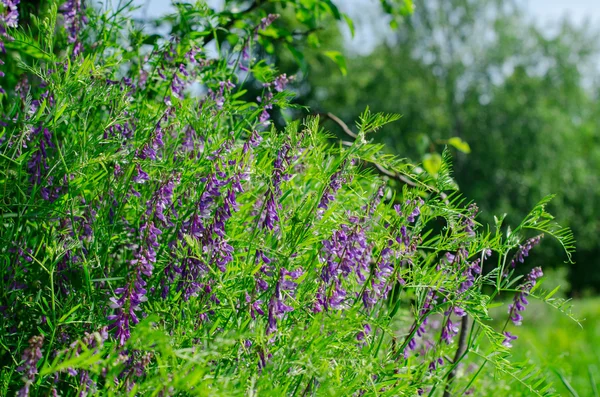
(161, 237)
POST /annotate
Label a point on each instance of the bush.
(160, 237)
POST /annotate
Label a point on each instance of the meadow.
(569, 352)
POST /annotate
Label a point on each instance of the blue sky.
(577, 10)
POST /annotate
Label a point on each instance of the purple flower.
(435, 363)
(134, 293)
(362, 334)
(177, 86)
(75, 18)
(281, 163)
(449, 331)
(218, 97)
(281, 82)
(277, 306)
(335, 183)
(141, 176)
(265, 23)
(379, 284)
(38, 164)
(520, 300)
(94, 342)
(524, 249)
(508, 338)
(468, 221)
(30, 358)
(11, 13)
(161, 201)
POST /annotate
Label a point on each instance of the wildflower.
(520, 300)
(335, 183)
(91, 341)
(134, 293)
(75, 18)
(31, 356)
(281, 82)
(435, 363)
(449, 331)
(280, 166)
(265, 23)
(10, 19)
(508, 338)
(141, 176)
(277, 306)
(38, 165)
(363, 334)
(11, 13)
(161, 201)
(524, 249)
(177, 86)
(468, 220)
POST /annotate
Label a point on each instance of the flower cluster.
(8, 19)
(75, 18)
(520, 300)
(277, 307)
(156, 204)
(93, 341)
(31, 356)
(269, 216)
(346, 253)
(335, 183)
(524, 249)
(133, 294)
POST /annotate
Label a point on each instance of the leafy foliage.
(160, 236)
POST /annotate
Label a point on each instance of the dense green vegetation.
(171, 225)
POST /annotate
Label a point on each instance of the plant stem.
(460, 350)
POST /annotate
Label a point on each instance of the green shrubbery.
(160, 237)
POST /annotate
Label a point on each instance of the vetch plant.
(159, 239)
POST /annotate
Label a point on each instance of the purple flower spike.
(75, 18)
(449, 331)
(31, 356)
(524, 249)
(140, 176)
(335, 183)
(281, 82)
(520, 301)
(508, 338)
(10, 18)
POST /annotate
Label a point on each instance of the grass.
(570, 352)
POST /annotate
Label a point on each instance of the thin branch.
(381, 169)
(339, 122)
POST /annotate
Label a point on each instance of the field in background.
(550, 339)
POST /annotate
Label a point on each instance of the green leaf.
(233, 39)
(350, 24)
(432, 162)
(339, 60)
(333, 10)
(298, 56)
(151, 39)
(459, 144)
